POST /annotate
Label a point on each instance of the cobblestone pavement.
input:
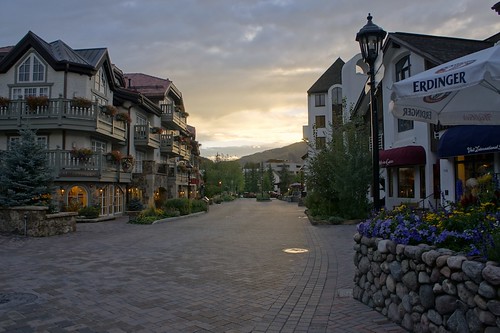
(224, 271)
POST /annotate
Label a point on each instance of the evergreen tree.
(285, 178)
(25, 176)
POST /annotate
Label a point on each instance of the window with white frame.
(319, 100)
(22, 93)
(141, 120)
(100, 81)
(99, 146)
(403, 72)
(31, 70)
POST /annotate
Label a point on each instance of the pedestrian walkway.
(224, 271)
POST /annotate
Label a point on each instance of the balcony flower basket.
(123, 116)
(127, 163)
(156, 130)
(35, 102)
(81, 102)
(82, 154)
(110, 110)
(114, 156)
(4, 101)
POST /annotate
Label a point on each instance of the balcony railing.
(143, 137)
(173, 117)
(60, 113)
(170, 146)
(95, 167)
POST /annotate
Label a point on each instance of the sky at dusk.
(243, 66)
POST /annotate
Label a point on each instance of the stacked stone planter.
(34, 221)
(425, 289)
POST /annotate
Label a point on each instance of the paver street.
(224, 271)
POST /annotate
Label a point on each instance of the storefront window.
(406, 182)
(469, 168)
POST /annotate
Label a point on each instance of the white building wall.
(420, 135)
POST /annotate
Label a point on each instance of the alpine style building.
(109, 137)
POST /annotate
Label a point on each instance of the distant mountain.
(292, 153)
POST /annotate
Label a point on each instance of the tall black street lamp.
(370, 39)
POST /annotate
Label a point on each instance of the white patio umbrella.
(465, 91)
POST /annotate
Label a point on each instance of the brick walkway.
(224, 271)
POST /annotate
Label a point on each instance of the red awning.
(409, 155)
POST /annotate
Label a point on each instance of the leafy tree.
(339, 174)
(25, 176)
(222, 176)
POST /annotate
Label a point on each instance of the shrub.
(142, 219)
(90, 212)
(198, 206)
(179, 204)
(335, 220)
(135, 205)
(263, 197)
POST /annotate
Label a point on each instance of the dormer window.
(31, 70)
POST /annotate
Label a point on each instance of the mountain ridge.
(292, 153)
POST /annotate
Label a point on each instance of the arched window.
(31, 70)
(77, 198)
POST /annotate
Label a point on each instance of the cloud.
(244, 67)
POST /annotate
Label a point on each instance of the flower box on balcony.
(82, 154)
(4, 101)
(81, 102)
(156, 130)
(114, 156)
(122, 116)
(35, 102)
(110, 110)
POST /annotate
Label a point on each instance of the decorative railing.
(61, 113)
(65, 164)
(144, 137)
(170, 115)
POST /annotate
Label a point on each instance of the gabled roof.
(58, 55)
(436, 49)
(333, 75)
(147, 84)
(152, 87)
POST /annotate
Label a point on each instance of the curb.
(168, 219)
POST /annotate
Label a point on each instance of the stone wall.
(35, 221)
(425, 289)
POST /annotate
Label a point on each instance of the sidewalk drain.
(295, 250)
(15, 299)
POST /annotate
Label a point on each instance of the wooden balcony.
(144, 138)
(61, 114)
(173, 119)
(94, 168)
(170, 146)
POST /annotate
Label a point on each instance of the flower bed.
(474, 230)
(434, 271)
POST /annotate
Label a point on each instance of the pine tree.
(25, 177)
